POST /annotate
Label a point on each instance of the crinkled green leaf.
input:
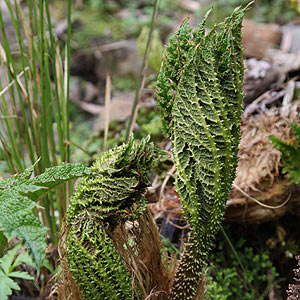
(17, 199)
(112, 195)
(7, 182)
(17, 220)
(200, 95)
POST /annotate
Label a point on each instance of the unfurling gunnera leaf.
(113, 194)
(200, 95)
(18, 196)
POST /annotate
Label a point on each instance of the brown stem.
(143, 259)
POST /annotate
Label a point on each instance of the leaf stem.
(142, 79)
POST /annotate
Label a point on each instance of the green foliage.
(118, 19)
(150, 123)
(295, 4)
(3, 243)
(113, 194)
(38, 53)
(8, 263)
(280, 12)
(126, 83)
(18, 196)
(290, 154)
(122, 169)
(94, 262)
(156, 48)
(200, 95)
(168, 79)
(93, 27)
(34, 91)
(225, 279)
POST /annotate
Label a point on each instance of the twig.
(258, 202)
(169, 174)
(13, 82)
(178, 226)
(142, 79)
(107, 107)
(154, 293)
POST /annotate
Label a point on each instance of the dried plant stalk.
(139, 246)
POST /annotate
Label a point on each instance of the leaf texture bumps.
(113, 194)
(18, 196)
(200, 98)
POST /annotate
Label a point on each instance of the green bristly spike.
(200, 96)
(113, 194)
(169, 76)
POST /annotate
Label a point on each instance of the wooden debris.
(259, 170)
(259, 75)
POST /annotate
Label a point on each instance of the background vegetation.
(42, 65)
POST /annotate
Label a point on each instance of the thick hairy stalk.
(108, 227)
(200, 95)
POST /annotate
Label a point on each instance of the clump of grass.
(34, 95)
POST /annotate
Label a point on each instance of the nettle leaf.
(18, 196)
(200, 95)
